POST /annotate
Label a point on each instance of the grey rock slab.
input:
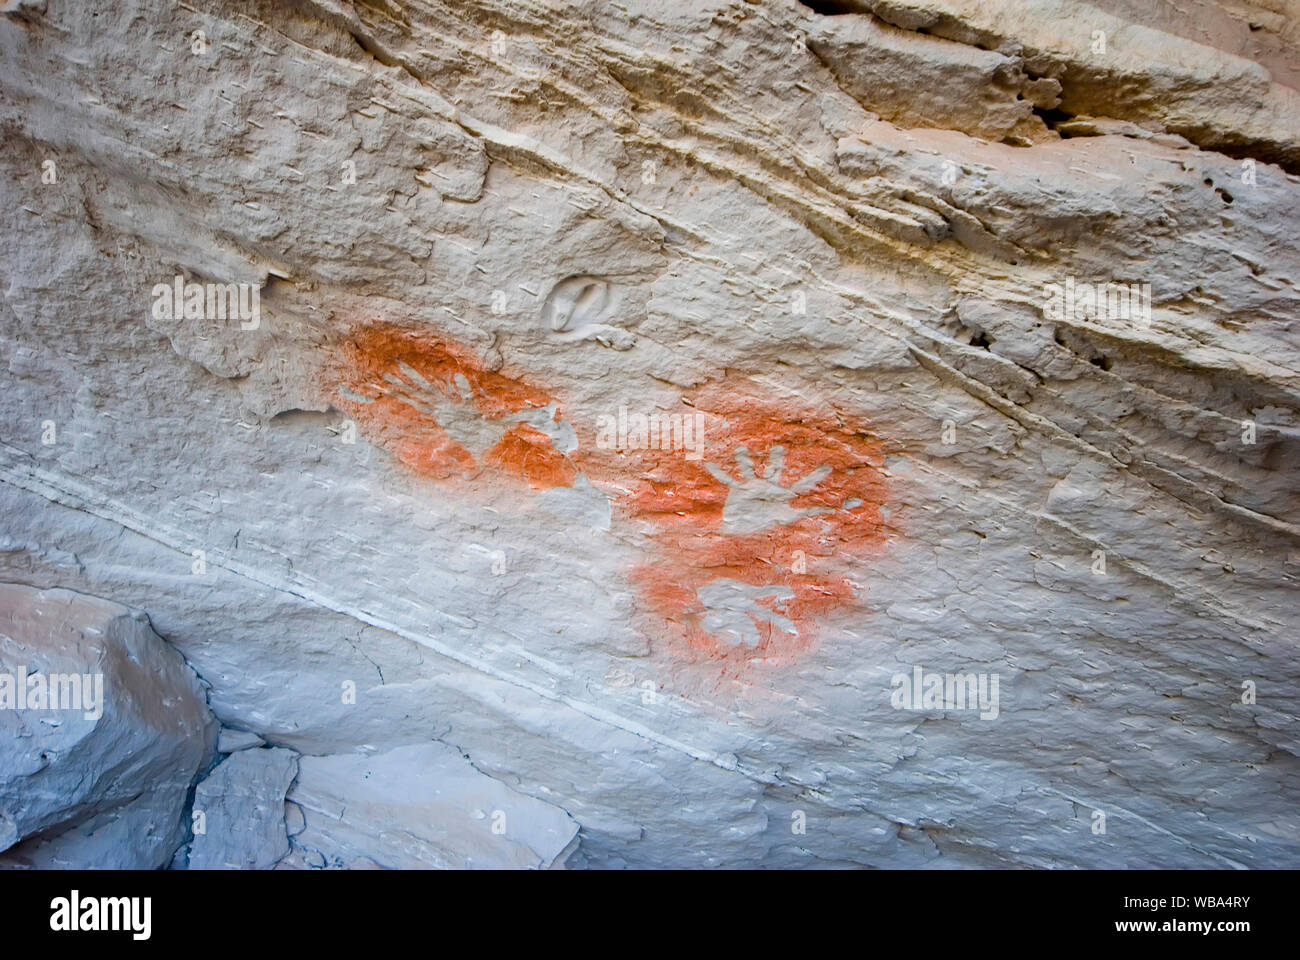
(97, 774)
(232, 740)
(422, 806)
(242, 810)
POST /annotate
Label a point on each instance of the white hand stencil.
(734, 613)
(755, 503)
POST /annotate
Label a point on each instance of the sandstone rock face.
(96, 773)
(853, 432)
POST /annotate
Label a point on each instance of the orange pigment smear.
(784, 574)
(679, 505)
(526, 452)
(377, 355)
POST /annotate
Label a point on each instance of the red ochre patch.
(409, 392)
(764, 534)
(747, 547)
(527, 453)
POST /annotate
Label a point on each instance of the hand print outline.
(718, 577)
(759, 500)
(732, 608)
(442, 414)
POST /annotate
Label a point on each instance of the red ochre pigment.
(768, 525)
(375, 357)
(807, 554)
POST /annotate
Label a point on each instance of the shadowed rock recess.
(854, 433)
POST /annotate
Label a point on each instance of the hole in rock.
(1052, 116)
(829, 8)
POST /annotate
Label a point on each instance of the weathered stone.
(507, 254)
(232, 740)
(241, 806)
(96, 775)
(421, 806)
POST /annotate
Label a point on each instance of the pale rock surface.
(242, 803)
(232, 740)
(736, 208)
(105, 787)
(418, 807)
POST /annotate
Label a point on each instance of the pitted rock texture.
(506, 253)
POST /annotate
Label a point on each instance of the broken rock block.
(239, 811)
(421, 806)
(232, 740)
(103, 728)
